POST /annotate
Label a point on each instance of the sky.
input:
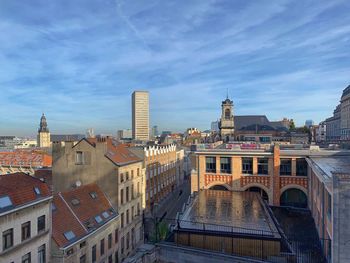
(79, 61)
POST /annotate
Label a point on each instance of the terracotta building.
(116, 170)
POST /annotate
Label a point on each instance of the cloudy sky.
(79, 61)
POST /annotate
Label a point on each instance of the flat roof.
(228, 211)
(326, 166)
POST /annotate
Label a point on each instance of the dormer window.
(105, 214)
(69, 235)
(98, 219)
(75, 202)
(79, 158)
(5, 201)
(37, 191)
(93, 195)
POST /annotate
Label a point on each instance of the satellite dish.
(78, 183)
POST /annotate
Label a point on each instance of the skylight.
(69, 235)
(98, 219)
(105, 214)
(37, 190)
(5, 201)
(93, 195)
(75, 201)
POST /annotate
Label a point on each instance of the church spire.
(43, 124)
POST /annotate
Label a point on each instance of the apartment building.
(164, 171)
(85, 227)
(26, 161)
(345, 114)
(25, 219)
(116, 170)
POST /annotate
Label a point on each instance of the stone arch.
(264, 190)
(212, 184)
(294, 195)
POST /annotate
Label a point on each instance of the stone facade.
(345, 115)
(122, 182)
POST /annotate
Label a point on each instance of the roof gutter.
(26, 205)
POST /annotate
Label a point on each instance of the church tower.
(227, 126)
(43, 139)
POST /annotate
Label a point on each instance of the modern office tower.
(140, 115)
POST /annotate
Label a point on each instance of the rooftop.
(19, 189)
(329, 165)
(227, 211)
(79, 212)
(25, 159)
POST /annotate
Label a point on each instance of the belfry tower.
(43, 139)
(227, 126)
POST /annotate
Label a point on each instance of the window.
(98, 219)
(127, 176)
(93, 253)
(5, 201)
(286, 167)
(263, 166)
(227, 114)
(138, 209)
(127, 216)
(132, 192)
(122, 220)
(70, 252)
(75, 202)
(110, 259)
(138, 189)
(127, 194)
(7, 239)
(82, 244)
(329, 206)
(301, 167)
(127, 240)
(82, 259)
(138, 171)
(102, 248)
(122, 196)
(122, 245)
(105, 214)
(25, 230)
(132, 212)
(69, 235)
(53, 207)
(93, 195)
(116, 236)
(79, 158)
(26, 258)
(225, 165)
(121, 177)
(132, 174)
(210, 164)
(37, 191)
(42, 254)
(41, 223)
(247, 165)
(109, 241)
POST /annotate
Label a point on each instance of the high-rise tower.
(43, 139)
(140, 115)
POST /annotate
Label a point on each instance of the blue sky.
(79, 61)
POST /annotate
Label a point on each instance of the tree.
(292, 125)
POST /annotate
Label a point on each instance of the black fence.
(243, 242)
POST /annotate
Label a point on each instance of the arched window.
(227, 114)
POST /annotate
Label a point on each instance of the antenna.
(227, 93)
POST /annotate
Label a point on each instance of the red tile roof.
(20, 188)
(45, 174)
(79, 217)
(25, 159)
(116, 152)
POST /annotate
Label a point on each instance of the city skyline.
(80, 66)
